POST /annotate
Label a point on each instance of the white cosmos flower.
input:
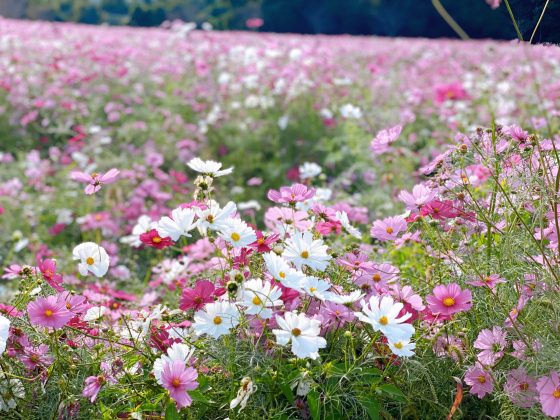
(4, 332)
(343, 299)
(178, 351)
(143, 225)
(350, 111)
(382, 313)
(309, 170)
(237, 233)
(402, 348)
(279, 269)
(343, 219)
(95, 312)
(303, 332)
(214, 217)
(216, 319)
(302, 249)
(259, 297)
(315, 287)
(208, 167)
(92, 258)
(179, 224)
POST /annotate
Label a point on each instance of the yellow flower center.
(156, 239)
(282, 274)
(176, 382)
(376, 277)
(524, 386)
(312, 289)
(389, 230)
(304, 254)
(257, 301)
(48, 312)
(556, 393)
(383, 320)
(260, 241)
(296, 332)
(90, 261)
(398, 345)
(481, 379)
(210, 218)
(217, 320)
(449, 301)
(235, 236)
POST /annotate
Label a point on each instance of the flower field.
(210, 225)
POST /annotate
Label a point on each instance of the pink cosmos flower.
(178, 379)
(95, 180)
(152, 238)
(201, 294)
(36, 357)
(380, 144)
(447, 300)
(279, 219)
(92, 386)
(521, 388)
(254, 23)
(420, 195)
(48, 312)
(450, 92)
(389, 228)
(449, 345)
(263, 243)
(480, 381)
(549, 394)
(48, 269)
(439, 210)
(335, 314)
(291, 195)
(494, 4)
(492, 343)
(487, 281)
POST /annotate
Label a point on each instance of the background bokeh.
(415, 18)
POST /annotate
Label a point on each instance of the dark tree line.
(359, 17)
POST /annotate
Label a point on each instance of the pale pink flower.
(95, 180)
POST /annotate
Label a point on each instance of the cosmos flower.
(383, 315)
(197, 297)
(280, 270)
(95, 180)
(179, 224)
(237, 233)
(216, 319)
(178, 379)
(302, 332)
(402, 348)
(48, 312)
(521, 388)
(291, 195)
(176, 352)
(208, 167)
(301, 249)
(93, 258)
(492, 343)
(420, 195)
(380, 144)
(259, 297)
(480, 381)
(388, 229)
(153, 239)
(213, 217)
(447, 300)
(308, 170)
(549, 394)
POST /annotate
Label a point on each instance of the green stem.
(450, 21)
(514, 21)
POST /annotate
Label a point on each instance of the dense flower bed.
(210, 225)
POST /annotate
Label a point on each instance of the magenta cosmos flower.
(197, 297)
(49, 312)
(389, 228)
(95, 180)
(291, 195)
(480, 381)
(549, 394)
(447, 300)
(492, 343)
(178, 379)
